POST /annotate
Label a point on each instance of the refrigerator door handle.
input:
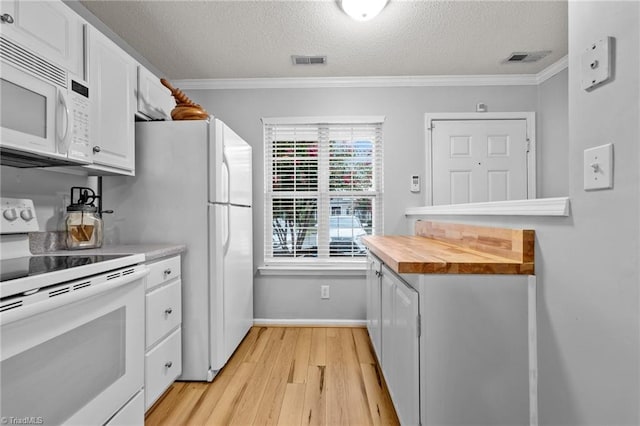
(227, 229)
(226, 179)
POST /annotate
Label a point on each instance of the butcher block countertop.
(446, 248)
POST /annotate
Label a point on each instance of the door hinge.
(528, 145)
(419, 325)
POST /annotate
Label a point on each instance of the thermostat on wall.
(415, 183)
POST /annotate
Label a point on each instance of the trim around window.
(323, 191)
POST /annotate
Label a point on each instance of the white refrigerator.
(193, 186)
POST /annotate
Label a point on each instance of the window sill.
(314, 270)
(535, 207)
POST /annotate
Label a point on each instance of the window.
(323, 188)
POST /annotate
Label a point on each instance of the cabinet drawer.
(162, 365)
(163, 271)
(163, 311)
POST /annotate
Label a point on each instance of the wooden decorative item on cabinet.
(185, 108)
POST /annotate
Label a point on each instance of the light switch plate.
(598, 167)
(595, 66)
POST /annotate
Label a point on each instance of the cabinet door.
(48, 28)
(373, 304)
(401, 346)
(154, 100)
(112, 78)
(407, 356)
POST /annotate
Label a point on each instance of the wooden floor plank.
(363, 346)
(356, 393)
(257, 349)
(263, 383)
(301, 357)
(292, 405)
(318, 354)
(337, 409)
(180, 412)
(315, 402)
(204, 407)
(379, 402)
(226, 406)
(269, 409)
(246, 348)
(247, 406)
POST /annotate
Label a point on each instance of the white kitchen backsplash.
(48, 189)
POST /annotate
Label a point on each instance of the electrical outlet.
(324, 291)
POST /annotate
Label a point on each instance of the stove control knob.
(26, 215)
(10, 214)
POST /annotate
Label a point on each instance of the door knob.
(5, 18)
(96, 149)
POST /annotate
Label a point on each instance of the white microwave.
(44, 111)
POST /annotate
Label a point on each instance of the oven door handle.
(18, 314)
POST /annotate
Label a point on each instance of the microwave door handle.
(62, 137)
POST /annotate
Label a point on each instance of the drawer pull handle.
(168, 311)
(168, 364)
(167, 272)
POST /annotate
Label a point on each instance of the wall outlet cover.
(598, 167)
(595, 67)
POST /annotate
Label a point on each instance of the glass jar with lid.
(83, 223)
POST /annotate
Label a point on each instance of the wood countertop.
(441, 248)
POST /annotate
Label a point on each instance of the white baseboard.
(309, 322)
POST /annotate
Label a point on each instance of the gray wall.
(404, 141)
(48, 189)
(552, 120)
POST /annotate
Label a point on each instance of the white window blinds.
(323, 188)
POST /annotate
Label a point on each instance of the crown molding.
(553, 69)
(361, 82)
(369, 82)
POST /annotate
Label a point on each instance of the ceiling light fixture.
(363, 10)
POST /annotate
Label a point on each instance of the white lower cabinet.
(401, 345)
(163, 331)
(373, 304)
(454, 348)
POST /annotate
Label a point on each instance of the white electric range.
(72, 327)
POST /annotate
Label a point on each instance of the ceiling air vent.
(308, 60)
(527, 56)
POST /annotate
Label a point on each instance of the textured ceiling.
(245, 39)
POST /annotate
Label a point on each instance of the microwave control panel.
(80, 107)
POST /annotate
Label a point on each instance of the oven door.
(75, 358)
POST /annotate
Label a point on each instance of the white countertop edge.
(558, 206)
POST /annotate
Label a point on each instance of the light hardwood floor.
(286, 376)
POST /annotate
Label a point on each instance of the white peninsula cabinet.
(112, 81)
(163, 332)
(455, 325)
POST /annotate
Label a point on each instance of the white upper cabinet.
(112, 82)
(49, 28)
(154, 100)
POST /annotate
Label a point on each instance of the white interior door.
(479, 160)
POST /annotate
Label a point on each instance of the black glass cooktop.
(11, 269)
